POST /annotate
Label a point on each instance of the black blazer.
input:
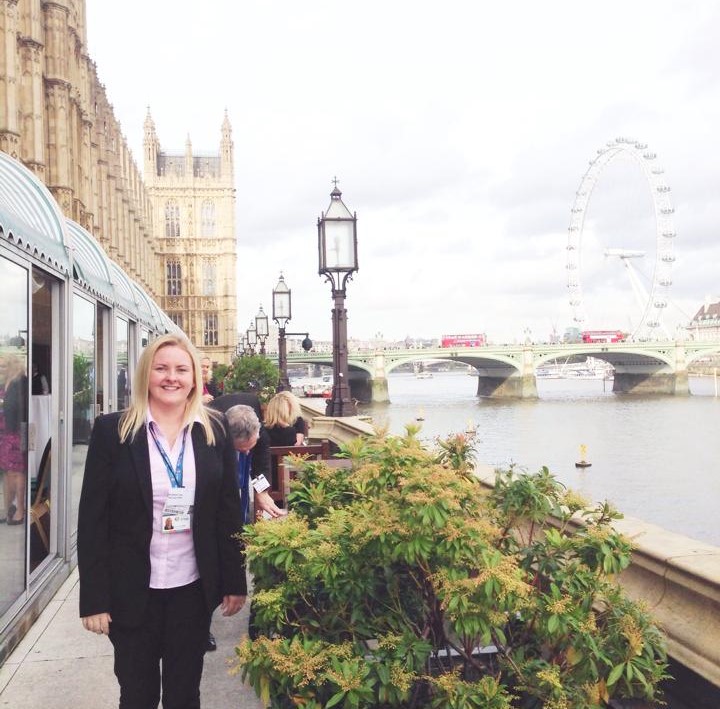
(115, 522)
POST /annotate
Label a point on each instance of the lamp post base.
(339, 406)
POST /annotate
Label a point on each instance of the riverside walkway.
(58, 664)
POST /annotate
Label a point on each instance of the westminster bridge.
(509, 371)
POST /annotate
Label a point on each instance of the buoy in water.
(582, 463)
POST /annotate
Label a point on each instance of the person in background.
(209, 386)
(151, 591)
(13, 393)
(252, 444)
(253, 465)
(283, 420)
(39, 381)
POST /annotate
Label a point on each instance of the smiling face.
(171, 377)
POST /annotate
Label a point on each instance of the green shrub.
(253, 373)
(404, 583)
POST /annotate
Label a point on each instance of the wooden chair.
(282, 473)
(40, 511)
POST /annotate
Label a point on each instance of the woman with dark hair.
(150, 588)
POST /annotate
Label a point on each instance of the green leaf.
(335, 699)
(615, 675)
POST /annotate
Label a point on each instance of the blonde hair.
(14, 366)
(133, 417)
(282, 410)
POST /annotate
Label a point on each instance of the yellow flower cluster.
(550, 675)
(589, 625)
(296, 661)
(268, 598)
(593, 693)
(574, 501)
(559, 605)
(401, 678)
(447, 682)
(324, 551)
(506, 573)
(632, 633)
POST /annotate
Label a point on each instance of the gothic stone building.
(55, 117)
(193, 199)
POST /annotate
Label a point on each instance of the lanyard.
(176, 476)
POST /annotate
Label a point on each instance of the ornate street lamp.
(251, 337)
(262, 328)
(281, 314)
(337, 252)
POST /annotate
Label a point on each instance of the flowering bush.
(404, 583)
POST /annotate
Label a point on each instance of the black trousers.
(173, 634)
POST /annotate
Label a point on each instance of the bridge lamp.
(337, 254)
(281, 314)
(262, 328)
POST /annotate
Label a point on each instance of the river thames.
(656, 458)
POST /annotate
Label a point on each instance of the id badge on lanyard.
(177, 511)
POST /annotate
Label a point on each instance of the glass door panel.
(42, 426)
(84, 396)
(14, 397)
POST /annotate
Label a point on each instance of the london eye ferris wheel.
(653, 300)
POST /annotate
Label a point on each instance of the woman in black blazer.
(150, 584)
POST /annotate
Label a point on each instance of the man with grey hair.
(253, 446)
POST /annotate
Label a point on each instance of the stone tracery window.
(172, 219)
(210, 334)
(209, 277)
(177, 318)
(207, 217)
(173, 278)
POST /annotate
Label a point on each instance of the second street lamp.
(252, 337)
(281, 314)
(262, 328)
(337, 253)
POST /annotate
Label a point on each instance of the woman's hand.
(232, 604)
(265, 503)
(99, 623)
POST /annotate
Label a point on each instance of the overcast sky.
(459, 130)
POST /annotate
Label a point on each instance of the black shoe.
(211, 644)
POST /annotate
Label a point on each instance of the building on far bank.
(705, 324)
(192, 197)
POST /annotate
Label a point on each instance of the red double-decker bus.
(475, 340)
(603, 336)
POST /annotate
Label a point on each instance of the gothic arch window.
(207, 216)
(173, 278)
(172, 219)
(177, 318)
(208, 277)
(210, 335)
